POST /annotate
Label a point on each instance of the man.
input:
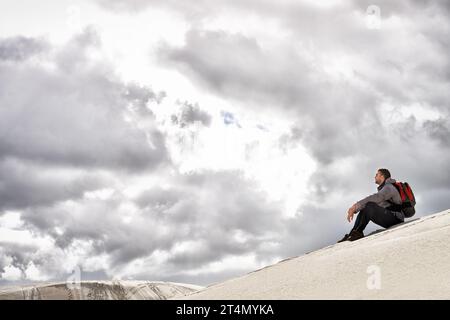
(378, 207)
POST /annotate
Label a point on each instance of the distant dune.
(98, 290)
(407, 261)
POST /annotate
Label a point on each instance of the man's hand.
(351, 212)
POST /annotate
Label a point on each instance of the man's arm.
(384, 194)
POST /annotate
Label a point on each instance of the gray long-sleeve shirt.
(385, 192)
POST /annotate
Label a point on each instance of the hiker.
(383, 207)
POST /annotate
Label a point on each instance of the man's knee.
(369, 209)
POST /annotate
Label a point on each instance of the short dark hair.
(385, 173)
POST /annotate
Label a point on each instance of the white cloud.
(102, 194)
(24, 238)
(236, 263)
(11, 273)
(33, 273)
(11, 220)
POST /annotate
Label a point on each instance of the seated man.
(378, 207)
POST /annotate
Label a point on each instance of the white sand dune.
(408, 261)
(98, 290)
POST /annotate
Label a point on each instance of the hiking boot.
(355, 235)
(345, 238)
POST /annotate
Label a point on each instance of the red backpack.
(408, 199)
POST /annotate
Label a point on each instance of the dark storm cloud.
(140, 96)
(249, 73)
(20, 48)
(330, 110)
(19, 253)
(405, 149)
(23, 185)
(63, 133)
(207, 210)
(74, 116)
(209, 207)
(158, 198)
(190, 113)
(267, 78)
(439, 130)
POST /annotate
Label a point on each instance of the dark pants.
(375, 213)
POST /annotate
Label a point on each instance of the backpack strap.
(394, 206)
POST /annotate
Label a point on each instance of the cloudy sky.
(193, 142)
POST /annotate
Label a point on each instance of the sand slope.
(408, 261)
(98, 290)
